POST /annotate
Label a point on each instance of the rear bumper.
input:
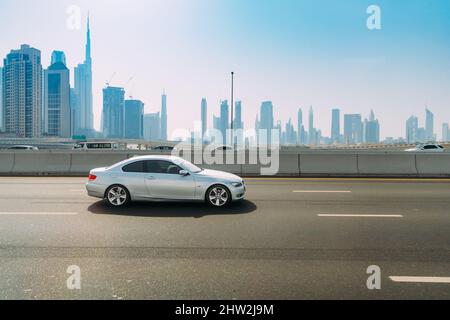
(95, 190)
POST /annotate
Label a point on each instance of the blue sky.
(295, 53)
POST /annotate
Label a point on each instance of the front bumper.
(238, 193)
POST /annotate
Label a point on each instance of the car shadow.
(172, 209)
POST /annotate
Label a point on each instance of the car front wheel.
(117, 196)
(218, 196)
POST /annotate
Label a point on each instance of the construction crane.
(132, 88)
(110, 79)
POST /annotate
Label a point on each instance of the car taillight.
(92, 177)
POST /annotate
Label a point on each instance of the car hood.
(219, 175)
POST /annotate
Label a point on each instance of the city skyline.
(124, 118)
(297, 69)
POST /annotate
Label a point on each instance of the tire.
(218, 196)
(117, 196)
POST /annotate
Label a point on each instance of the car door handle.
(150, 178)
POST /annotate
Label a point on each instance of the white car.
(162, 178)
(29, 148)
(427, 148)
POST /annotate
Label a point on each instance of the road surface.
(291, 239)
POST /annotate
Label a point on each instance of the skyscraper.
(2, 124)
(429, 126)
(335, 125)
(113, 112)
(372, 129)
(216, 123)
(58, 56)
(224, 121)
(22, 90)
(57, 112)
(164, 117)
(134, 119)
(266, 122)
(299, 126)
(445, 132)
(311, 130)
(84, 117)
(353, 129)
(238, 125)
(412, 126)
(204, 116)
(152, 127)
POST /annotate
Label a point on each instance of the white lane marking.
(39, 213)
(361, 215)
(421, 279)
(322, 191)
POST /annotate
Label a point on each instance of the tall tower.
(22, 89)
(164, 117)
(204, 114)
(1, 100)
(311, 133)
(56, 93)
(429, 125)
(113, 112)
(335, 125)
(84, 117)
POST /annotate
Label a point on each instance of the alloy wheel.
(117, 196)
(218, 196)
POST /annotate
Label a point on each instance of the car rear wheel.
(117, 196)
(218, 196)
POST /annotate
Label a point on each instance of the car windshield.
(189, 166)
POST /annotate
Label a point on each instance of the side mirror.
(183, 173)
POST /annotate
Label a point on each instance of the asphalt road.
(291, 239)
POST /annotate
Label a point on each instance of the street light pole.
(232, 107)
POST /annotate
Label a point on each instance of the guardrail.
(307, 163)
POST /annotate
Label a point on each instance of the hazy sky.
(296, 53)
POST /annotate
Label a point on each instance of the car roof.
(153, 157)
(149, 157)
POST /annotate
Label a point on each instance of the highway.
(290, 239)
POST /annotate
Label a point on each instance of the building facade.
(22, 92)
(152, 127)
(83, 111)
(134, 119)
(57, 112)
(164, 133)
(353, 129)
(204, 116)
(336, 126)
(113, 116)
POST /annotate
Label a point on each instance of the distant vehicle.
(97, 146)
(224, 148)
(163, 178)
(163, 148)
(427, 148)
(31, 148)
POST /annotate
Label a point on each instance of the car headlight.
(237, 184)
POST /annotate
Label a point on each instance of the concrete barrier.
(387, 164)
(82, 162)
(287, 165)
(41, 162)
(6, 162)
(306, 163)
(433, 164)
(328, 164)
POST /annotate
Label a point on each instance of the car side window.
(164, 167)
(136, 167)
(430, 147)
